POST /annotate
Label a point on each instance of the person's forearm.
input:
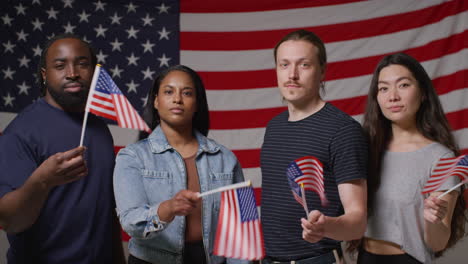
(346, 227)
(436, 236)
(20, 208)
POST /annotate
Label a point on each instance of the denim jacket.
(152, 171)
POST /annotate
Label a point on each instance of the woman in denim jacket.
(156, 180)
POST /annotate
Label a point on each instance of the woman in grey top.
(408, 133)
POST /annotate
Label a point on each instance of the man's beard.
(69, 100)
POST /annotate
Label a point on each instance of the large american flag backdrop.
(230, 44)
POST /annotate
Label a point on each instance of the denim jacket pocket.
(220, 179)
(158, 184)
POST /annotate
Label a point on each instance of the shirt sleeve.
(17, 162)
(348, 152)
(138, 218)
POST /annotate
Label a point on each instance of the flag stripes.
(106, 100)
(231, 45)
(445, 168)
(239, 234)
(250, 6)
(306, 171)
(366, 27)
(235, 58)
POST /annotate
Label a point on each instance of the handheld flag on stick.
(445, 168)
(307, 170)
(239, 233)
(106, 100)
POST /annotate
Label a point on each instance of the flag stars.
(20, 10)
(24, 61)
(84, 17)
(52, 13)
(115, 19)
(164, 61)
(148, 73)
(147, 20)
(37, 50)
(36, 2)
(163, 34)
(67, 3)
(163, 9)
(131, 7)
(144, 100)
(23, 88)
(7, 20)
(8, 47)
(133, 60)
(22, 35)
(100, 31)
(8, 100)
(37, 24)
(132, 32)
(101, 57)
(116, 71)
(132, 87)
(116, 45)
(8, 73)
(99, 6)
(69, 28)
(148, 46)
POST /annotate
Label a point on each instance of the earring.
(322, 85)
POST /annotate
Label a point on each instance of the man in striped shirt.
(310, 127)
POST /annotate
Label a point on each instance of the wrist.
(39, 182)
(164, 212)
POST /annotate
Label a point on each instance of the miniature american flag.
(309, 171)
(239, 234)
(106, 100)
(445, 168)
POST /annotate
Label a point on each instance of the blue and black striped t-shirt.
(334, 138)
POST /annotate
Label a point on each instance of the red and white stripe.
(444, 169)
(313, 180)
(118, 108)
(230, 43)
(235, 239)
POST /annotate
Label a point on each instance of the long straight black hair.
(430, 122)
(201, 118)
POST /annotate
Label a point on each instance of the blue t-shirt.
(336, 140)
(75, 223)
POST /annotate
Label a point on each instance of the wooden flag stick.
(306, 209)
(225, 188)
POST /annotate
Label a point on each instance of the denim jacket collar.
(158, 142)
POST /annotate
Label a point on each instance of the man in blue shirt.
(56, 199)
